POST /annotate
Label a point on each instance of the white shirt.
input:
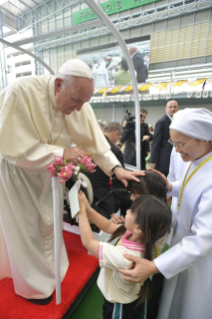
(111, 283)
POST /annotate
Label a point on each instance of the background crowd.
(155, 152)
(113, 70)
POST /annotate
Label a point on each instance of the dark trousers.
(143, 163)
(153, 301)
(122, 311)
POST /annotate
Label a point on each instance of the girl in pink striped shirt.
(148, 220)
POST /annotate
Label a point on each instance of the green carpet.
(91, 305)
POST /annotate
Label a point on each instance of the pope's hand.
(124, 175)
(73, 155)
(142, 270)
(168, 184)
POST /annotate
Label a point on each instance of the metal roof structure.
(19, 15)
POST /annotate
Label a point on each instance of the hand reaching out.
(168, 184)
(117, 219)
(145, 138)
(82, 201)
(124, 175)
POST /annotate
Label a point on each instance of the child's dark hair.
(153, 216)
(152, 183)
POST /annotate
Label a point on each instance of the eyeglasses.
(180, 145)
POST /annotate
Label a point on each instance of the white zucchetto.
(76, 67)
(195, 123)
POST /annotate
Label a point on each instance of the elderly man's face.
(171, 108)
(72, 97)
(193, 150)
(115, 136)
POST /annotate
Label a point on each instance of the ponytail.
(118, 232)
(146, 288)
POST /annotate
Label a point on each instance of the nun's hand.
(143, 269)
(168, 184)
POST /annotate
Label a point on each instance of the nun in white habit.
(40, 118)
(187, 265)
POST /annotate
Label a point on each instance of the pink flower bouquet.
(66, 170)
(86, 165)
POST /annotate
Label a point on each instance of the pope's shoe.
(44, 301)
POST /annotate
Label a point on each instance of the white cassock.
(101, 79)
(94, 70)
(187, 265)
(29, 120)
(175, 174)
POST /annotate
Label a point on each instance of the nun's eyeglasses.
(180, 145)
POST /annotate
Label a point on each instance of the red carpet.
(80, 270)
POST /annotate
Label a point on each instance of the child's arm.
(87, 238)
(100, 221)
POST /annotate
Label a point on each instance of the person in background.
(138, 62)
(101, 77)
(123, 77)
(94, 70)
(113, 62)
(100, 181)
(161, 148)
(128, 138)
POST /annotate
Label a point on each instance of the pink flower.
(88, 165)
(66, 172)
(52, 169)
(86, 160)
(58, 160)
(63, 177)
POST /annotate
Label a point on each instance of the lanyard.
(190, 176)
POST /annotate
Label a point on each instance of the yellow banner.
(103, 90)
(145, 87)
(129, 88)
(179, 83)
(162, 86)
(197, 82)
(116, 89)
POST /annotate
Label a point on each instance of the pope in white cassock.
(187, 265)
(39, 119)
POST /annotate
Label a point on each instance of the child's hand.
(117, 219)
(82, 201)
